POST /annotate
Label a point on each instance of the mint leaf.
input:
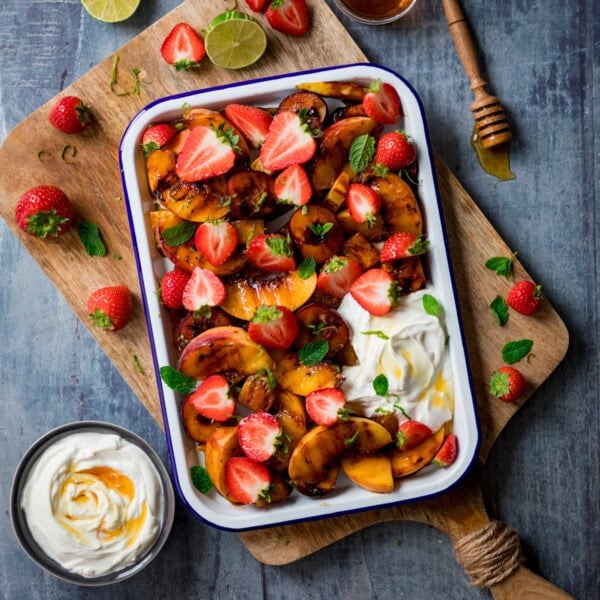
(431, 305)
(381, 385)
(514, 351)
(500, 264)
(313, 352)
(307, 267)
(179, 234)
(499, 310)
(201, 479)
(89, 234)
(176, 380)
(361, 152)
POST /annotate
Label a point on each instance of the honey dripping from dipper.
(495, 160)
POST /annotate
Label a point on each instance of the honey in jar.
(375, 11)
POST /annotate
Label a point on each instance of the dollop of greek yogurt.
(409, 347)
(92, 502)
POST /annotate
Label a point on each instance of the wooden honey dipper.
(490, 120)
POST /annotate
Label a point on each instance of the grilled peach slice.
(279, 490)
(292, 416)
(319, 488)
(227, 350)
(197, 201)
(350, 91)
(222, 445)
(406, 462)
(336, 196)
(316, 108)
(246, 294)
(359, 248)
(399, 206)
(316, 232)
(319, 322)
(251, 194)
(257, 392)
(322, 447)
(293, 376)
(192, 324)
(373, 231)
(160, 169)
(408, 272)
(372, 472)
(196, 426)
(332, 153)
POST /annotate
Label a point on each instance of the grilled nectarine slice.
(371, 472)
(405, 462)
(399, 206)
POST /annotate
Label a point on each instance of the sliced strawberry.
(273, 327)
(183, 47)
(394, 151)
(382, 103)
(252, 121)
(216, 240)
(288, 142)
(292, 186)
(259, 435)
(363, 203)
(412, 433)
(326, 406)
(376, 291)
(288, 16)
(156, 136)
(171, 288)
(212, 399)
(206, 153)
(402, 245)
(337, 275)
(447, 453)
(204, 288)
(257, 5)
(247, 481)
(271, 253)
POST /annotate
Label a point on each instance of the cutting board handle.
(523, 584)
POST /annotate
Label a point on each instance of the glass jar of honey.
(375, 12)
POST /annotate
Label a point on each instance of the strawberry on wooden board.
(289, 141)
(247, 481)
(110, 307)
(216, 240)
(206, 153)
(363, 203)
(337, 275)
(204, 288)
(447, 454)
(412, 433)
(271, 253)
(259, 435)
(212, 399)
(183, 47)
(394, 151)
(171, 288)
(326, 406)
(525, 297)
(70, 115)
(381, 103)
(257, 5)
(292, 186)
(288, 16)
(156, 136)
(402, 245)
(252, 121)
(44, 211)
(273, 327)
(376, 291)
(508, 384)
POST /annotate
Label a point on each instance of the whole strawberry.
(172, 286)
(525, 297)
(508, 384)
(70, 115)
(394, 151)
(110, 307)
(44, 211)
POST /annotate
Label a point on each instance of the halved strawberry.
(171, 288)
(288, 16)
(292, 186)
(247, 481)
(412, 433)
(326, 406)
(259, 435)
(376, 291)
(402, 245)
(216, 240)
(337, 275)
(252, 121)
(204, 288)
(257, 5)
(183, 47)
(156, 136)
(273, 327)
(363, 203)
(206, 153)
(271, 253)
(382, 103)
(212, 399)
(289, 141)
(447, 453)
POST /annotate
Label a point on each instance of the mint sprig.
(89, 234)
(514, 351)
(361, 152)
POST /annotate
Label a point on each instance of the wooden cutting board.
(91, 179)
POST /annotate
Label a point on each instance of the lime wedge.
(234, 40)
(110, 11)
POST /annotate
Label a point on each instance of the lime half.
(234, 40)
(110, 11)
